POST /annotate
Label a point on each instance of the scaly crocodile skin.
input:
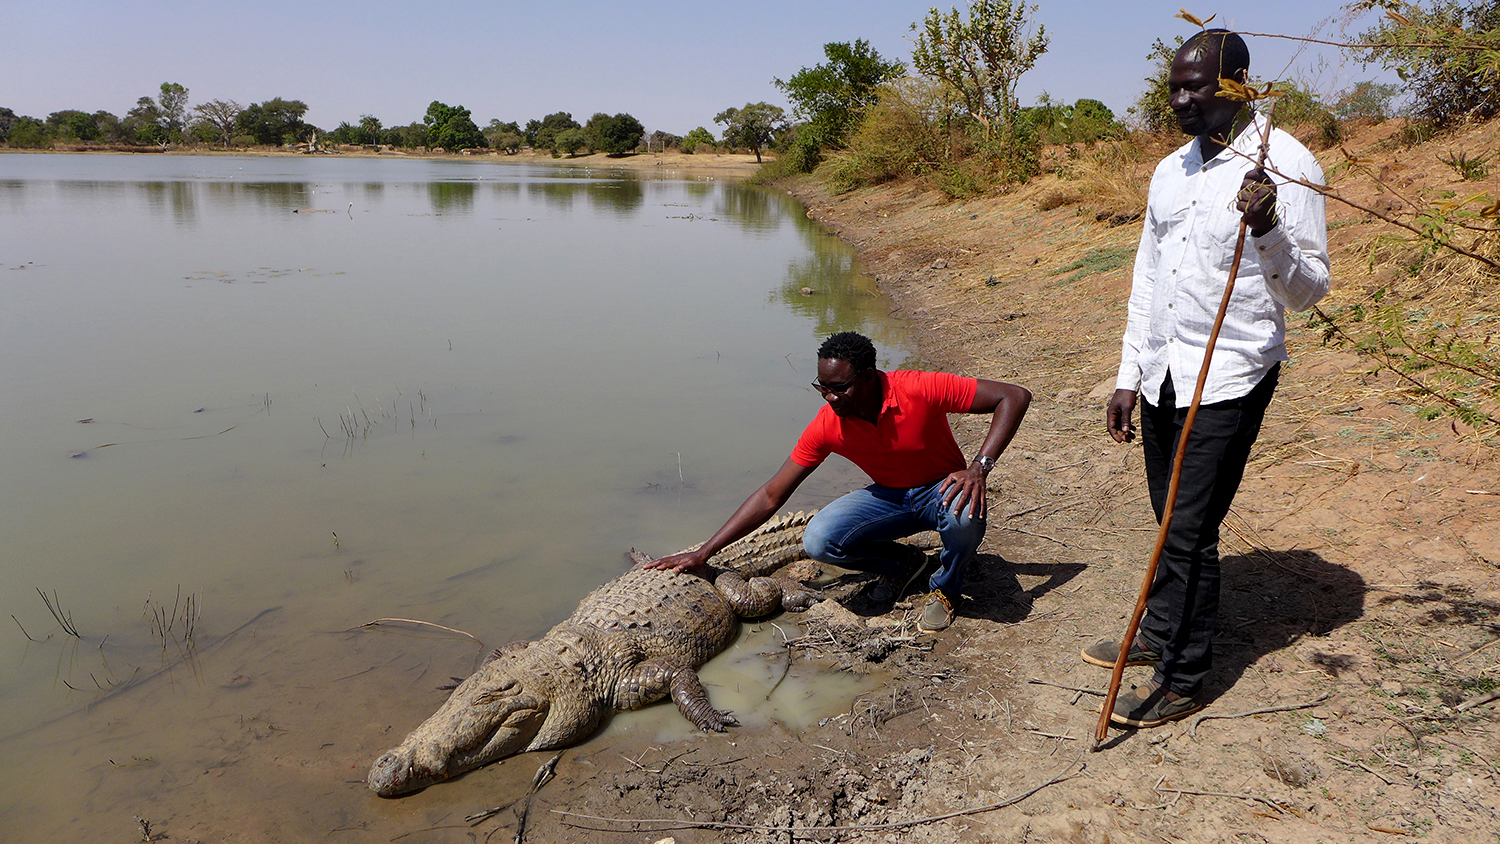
(631, 642)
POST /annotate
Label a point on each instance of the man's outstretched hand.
(687, 561)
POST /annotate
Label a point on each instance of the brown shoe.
(1150, 705)
(1103, 654)
(937, 613)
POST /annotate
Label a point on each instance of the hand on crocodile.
(687, 561)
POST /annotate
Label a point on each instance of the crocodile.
(631, 642)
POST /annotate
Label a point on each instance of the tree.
(504, 136)
(369, 124)
(981, 58)
(275, 122)
(570, 141)
(540, 134)
(613, 135)
(697, 138)
(831, 97)
(451, 127)
(753, 126)
(70, 123)
(142, 124)
(173, 105)
(1153, 108)
(1448, 54)
(221, 115)
(7, 120)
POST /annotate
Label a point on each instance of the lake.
(251, 404)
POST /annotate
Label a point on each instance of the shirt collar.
(888, 400)
(1246, 144)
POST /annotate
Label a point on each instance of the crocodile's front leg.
(654, 679)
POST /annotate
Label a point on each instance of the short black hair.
(1233, 54)
(849, 346)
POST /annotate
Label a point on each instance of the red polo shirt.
(911, 445)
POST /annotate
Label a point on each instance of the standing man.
(894, 426)
(1199, 194)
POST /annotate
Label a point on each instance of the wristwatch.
(985, 463)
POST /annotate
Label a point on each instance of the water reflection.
(176, 198)
(452, 197)
(623, 197)
(751, 208)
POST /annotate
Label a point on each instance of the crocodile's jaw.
(472, 729)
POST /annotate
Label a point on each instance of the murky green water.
(302, 394)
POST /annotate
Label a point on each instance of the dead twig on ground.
(1080, 689)
(1357, 764)
(1193, 728)
(663, 824)
(1278, 806)
(1493, 694)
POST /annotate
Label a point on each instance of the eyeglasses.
(825, 389)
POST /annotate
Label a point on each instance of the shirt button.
(1170, 306)
(1171, 339)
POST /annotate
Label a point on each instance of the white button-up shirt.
(1182, 265)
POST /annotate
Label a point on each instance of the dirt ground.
(1361, 589)
(1362, 584)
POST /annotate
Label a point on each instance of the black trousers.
(1183, 606)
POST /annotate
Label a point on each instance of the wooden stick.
(1101, 732)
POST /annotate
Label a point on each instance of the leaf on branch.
(1397, 17)
(1229, 89)
(1354, 159)
(1194, 19)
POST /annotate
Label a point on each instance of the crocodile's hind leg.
(654, 679)
(760, 596)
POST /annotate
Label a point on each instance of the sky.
(673, 65)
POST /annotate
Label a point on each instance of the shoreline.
(731, 164)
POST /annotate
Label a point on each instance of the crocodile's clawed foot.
(719, 721)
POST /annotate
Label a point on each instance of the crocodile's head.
(488, 717)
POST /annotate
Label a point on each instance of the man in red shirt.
(894, 426)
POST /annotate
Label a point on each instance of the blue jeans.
(858, 531)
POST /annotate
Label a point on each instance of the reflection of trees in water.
(700, 190)
(842, 299)
(374, 192)
(559, 195)
(13, 193)
(754, 209)
(452, 197)
(179, 198)
(278, 196)
(505, 191)
(623, 197)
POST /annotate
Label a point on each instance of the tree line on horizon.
(166, 120)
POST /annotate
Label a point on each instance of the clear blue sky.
(674, 65)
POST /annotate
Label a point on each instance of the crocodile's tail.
(774, 544)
